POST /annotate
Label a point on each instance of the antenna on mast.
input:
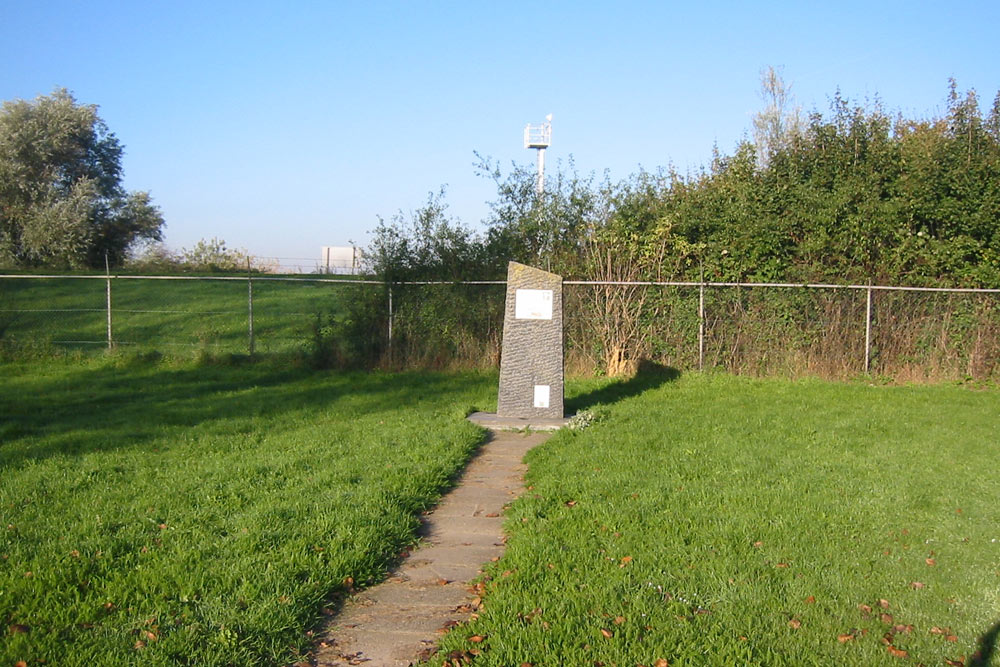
(539, 137)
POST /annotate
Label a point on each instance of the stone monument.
(531, 358)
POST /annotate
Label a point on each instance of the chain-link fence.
(217, 314)
(761, 329)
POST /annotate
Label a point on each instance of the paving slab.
(397, 622)
(495, 422)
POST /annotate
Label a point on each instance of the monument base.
(494, 422)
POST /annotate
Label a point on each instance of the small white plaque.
(533, 304)
(541, 395)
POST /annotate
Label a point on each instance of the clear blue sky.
(283, 127)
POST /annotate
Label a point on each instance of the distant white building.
(340, 259)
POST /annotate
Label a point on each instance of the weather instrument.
(539, 137)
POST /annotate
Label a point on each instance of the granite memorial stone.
(531, 358)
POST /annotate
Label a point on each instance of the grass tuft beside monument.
(160, 513)
(717, 520)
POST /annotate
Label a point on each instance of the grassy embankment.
(175, 317)
(175, 514)
(718, 520)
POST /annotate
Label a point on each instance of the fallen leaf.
(20, 663)
(935, 630)
(905, 629)
(782, 565)
(886, 618)
(526, 664)
(139, 644)
(443, 582)
(795, 624)
(930, 561)
(18, 629)
(916, 584)
(883, 603)
(954, 663)
(619, 620)
(811, 599)
(492, 515)
(607, 633)
(661, 663)
(896, 652)
(571, 503)
(625, 561)
(951, 638)
(865, 608)
(476, 639)
(844, 638)
(758, 544)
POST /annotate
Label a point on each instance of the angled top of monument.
(523, 272)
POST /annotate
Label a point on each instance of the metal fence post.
(107, 270)
(868, 330)
(701, 326)
(250, 305)
(390, 320)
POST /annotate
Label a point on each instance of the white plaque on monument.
(533, 304)
(541, 395)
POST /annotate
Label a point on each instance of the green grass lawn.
(155, 513)
(176, 317)
(715, 520)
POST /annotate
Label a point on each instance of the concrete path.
(398, 622)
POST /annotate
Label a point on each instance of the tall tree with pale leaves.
(780, 121)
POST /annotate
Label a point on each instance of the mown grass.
(155, 513)
(718, 520)
(177, 317)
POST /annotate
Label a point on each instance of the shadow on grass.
(983, 657)
(649, 375)
(78, 411)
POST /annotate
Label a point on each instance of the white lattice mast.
(539, 137)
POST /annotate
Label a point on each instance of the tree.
(779, 123)
(61, 198)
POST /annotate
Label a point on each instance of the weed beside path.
(158, 514)
(719, 520)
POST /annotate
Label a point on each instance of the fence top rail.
(623, 283)
(242, 278)
(667, 283)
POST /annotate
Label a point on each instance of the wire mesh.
(753, 329)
